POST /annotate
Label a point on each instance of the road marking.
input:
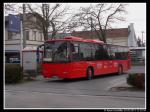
(65, 94)
(116, 84)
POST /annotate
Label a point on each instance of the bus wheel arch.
(120, 69)
(89, 72)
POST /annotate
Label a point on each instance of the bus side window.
(105, 52)
(126, 53)
(117, 54)
(121, 54)
(86, 51)
(99, 52)
(74, 49)
(109, 52)
(93, 51)
(112, 52)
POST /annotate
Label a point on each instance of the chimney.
(132, 41)
(131, 26)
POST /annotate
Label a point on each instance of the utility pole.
(142, 37)
(23, 26)
(91, 28)
(22, 39)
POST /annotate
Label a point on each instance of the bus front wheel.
(89, 73)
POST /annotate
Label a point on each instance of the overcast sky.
(136, 14)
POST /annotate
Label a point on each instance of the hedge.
(13, 73)
(137, 80)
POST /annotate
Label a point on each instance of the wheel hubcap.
(90, 74)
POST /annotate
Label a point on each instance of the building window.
(9, 35)
(41, 36)
(12, 57)
(34, 35)
(13, 35)
(27, 35)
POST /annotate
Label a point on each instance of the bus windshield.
(56, 51)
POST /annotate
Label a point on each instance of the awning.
(12, 51)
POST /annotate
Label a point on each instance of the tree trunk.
(104, 36)
(45, 33)
(54, 30)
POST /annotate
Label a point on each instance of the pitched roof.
(110, 33)
(122, 32)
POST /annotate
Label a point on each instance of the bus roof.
(72, 38)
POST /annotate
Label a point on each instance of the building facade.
(14, 41)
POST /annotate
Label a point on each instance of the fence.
(137, 56)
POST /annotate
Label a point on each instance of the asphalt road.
(76, 93)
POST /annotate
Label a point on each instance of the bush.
(13, 73)
(131, 79)
(136, 80)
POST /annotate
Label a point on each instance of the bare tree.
(99, 18)
(11, 8)
(50, 18)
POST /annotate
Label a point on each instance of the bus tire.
(89, 73)
(120, 70)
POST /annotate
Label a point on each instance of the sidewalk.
(127, 90)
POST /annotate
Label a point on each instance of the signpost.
(15, 25)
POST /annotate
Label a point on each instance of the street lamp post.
(23, 38)
(23, 26)
(142, 37)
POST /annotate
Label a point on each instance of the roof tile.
(110, 33)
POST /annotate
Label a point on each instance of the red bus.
(74, 57)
